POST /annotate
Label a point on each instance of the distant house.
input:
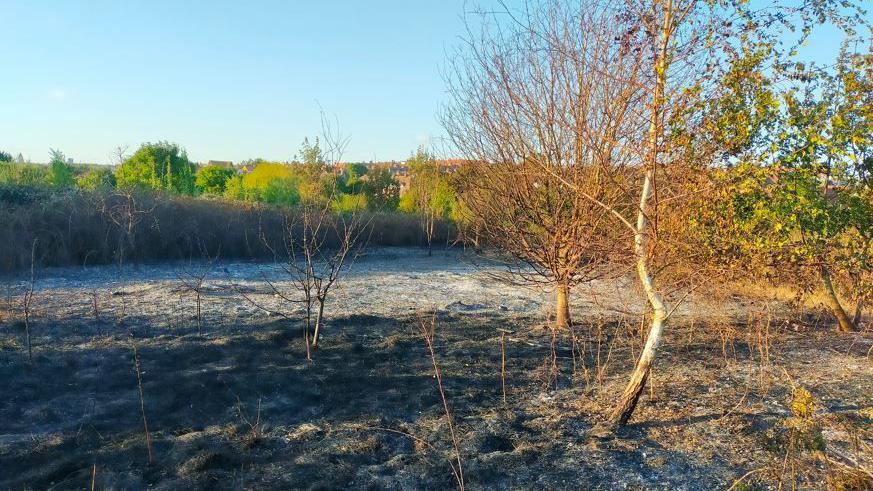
(227, 164)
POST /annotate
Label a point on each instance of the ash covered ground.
(238, 406)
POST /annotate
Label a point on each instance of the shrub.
(95, 179)
(348, 203)
(212, 179)
(158, 166)
(60, 174)
(381, 190)
(23, 174)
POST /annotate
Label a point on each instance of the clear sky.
(228, 80)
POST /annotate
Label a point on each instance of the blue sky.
(228, 80)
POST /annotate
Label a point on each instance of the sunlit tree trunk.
(631, 395)
(628, 401)
(562, 314)
(844, 322)
(318, 319)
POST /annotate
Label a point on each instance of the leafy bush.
(212, 179)
(23, 174)
(60, 174)
(95, 179)
(268, 182)
(158, 166)
(348, 203)
(381, 190)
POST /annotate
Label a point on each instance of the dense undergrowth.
(76, 227)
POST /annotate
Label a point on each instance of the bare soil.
(240, 407)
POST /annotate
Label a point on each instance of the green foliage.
(212, 179)
(801, 204)
(781, 219)
(268, 182)
(800, 432)
(5, 157)
(158, 166)
(352, 174)
(30, 175)
(381, 189)
(348, 203)
(96, 179)
(316, 185)
(60, 174)
(310, 153)
(233, 188)
(747, 105)
(430, 191)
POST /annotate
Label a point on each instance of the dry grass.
(75, 228)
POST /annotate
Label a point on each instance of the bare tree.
(193, 279)
(319, 248)
(319, 245)
(548, 129)
(119, 154)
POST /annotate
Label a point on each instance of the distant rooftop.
(221, 163)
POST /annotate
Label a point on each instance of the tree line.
(311, 178)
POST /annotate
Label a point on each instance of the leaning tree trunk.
(844, 322)
(628, 401)
(562, 314)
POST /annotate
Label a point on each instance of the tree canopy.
(159, 166)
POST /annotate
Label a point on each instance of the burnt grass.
(241, 408)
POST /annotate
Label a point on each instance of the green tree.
(316, 184)
(381, 190)
(779, 223)
(158, 166)
(5, 157)
(799, 208)
(60, 174)
(96, 179)
(212, 179)
(268, 182)
(429, 195)
(352, 181)
(310, 153)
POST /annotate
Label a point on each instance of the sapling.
(27, 302)
(193, 279)
(427, 329)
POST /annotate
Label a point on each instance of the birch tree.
(682, 51)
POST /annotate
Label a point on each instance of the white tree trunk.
(626, 405)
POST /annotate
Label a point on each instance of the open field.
(240, 407)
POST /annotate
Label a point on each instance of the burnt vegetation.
(650, 269)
